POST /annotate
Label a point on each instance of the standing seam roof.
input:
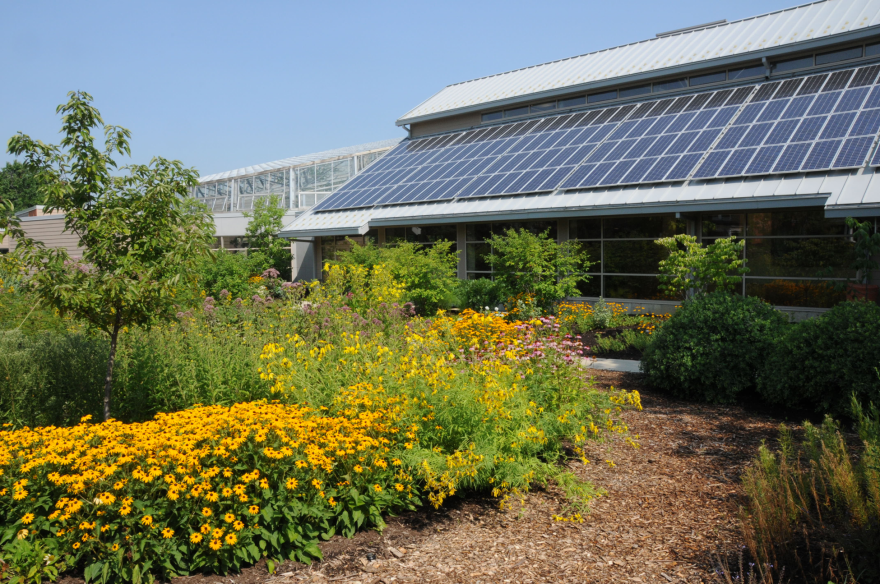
(817, 20)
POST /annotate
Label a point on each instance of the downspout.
(767, 67)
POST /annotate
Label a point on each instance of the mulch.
(671, 506)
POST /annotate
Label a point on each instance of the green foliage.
(867, 247)
(535, 265)
(691, 266)
(479, 294)
(602, 314)
(820, 362)
(265, 222)
(231, 272)
(137, 241)
(19, 186)
(712, 347)
(428, 273)
(817, 500)
(626, 339)
(25, 559)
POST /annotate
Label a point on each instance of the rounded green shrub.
(713, 347)
(819, 363)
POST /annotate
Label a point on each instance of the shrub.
(478, 294)
(713, 347)
(427, 273)
(819, 363)
(231, 272)
(537, 266)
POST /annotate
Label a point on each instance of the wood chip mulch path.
(670, 505)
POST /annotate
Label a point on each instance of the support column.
(461, 246)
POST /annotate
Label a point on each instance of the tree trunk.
(108, 382)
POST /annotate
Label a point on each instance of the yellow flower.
(206, 511)
(358, 468)
(205, 528)
(115, 547)
(215, 544)
(28, 517)
(124, 510)
(147, 520)
(76, 546)
(195, 537)
(253, 509)
(398, 486)
(291, 484)
(264, 484)
(377, 488)
(229, 518)
(217, 533)
(227, 492)
(238, 526)
(231, 539)
(167, 533)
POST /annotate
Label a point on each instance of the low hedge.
(821, 362)
(713, 347)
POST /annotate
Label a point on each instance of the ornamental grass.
(368, 411)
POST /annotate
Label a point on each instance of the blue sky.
(221, 85)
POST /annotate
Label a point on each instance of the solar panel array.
(821, 122)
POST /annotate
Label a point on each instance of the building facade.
(765, 129)
(299, 183)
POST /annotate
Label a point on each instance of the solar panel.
(820, 122)
(661, 141)
(817, 123)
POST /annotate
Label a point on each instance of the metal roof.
(841, 193)
(817, 23)
(304, 159)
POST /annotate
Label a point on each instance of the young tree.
(693, 267)
(525, 263)
(266, 222)
(137, 239)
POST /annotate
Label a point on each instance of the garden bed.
(671, 504)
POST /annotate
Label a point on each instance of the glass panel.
(324, 176)
(223, 189)
(793, 64)
(434, 233)
(476, 253)
(708, 78)
(594, 251)
(261, 183)
(633, 257)
(307, 199)
(395, 234)
(635, 287)
(276, 183)
(199, 191)
(306, 178)
(809, 293)
(573, 101)
(844, 55)
(478, 231)
(724, 225)
(602, 96)
(872, 50)
(634, 91)
(536, 227)
(585, 229)
(341, 172)
(372, 236)
(543, 107)
(798, 222)
(746, 72)
(630, 227)
(328, 249)
(211, 190)
(670, 85)
(245, 186)
(592, 287)
(493, 116)
(828, 257)
(517, 111)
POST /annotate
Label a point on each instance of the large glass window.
(478, 250)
